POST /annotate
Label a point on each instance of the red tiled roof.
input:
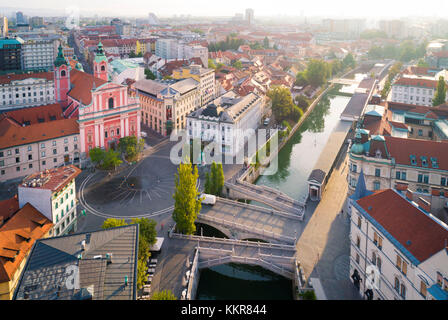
(415, 82)
(440, 54)
(8, 207)
(27, 222)
(7, 78)
(32, 115)
(82, 85)
(413, 229)
(12, 134)
(402, 149)
(398, 125)
(54, 179)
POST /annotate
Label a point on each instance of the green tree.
(237, 64)
(163, 295)
(440, 96)
(207, 183)
(213, 178)
(187, 202)
(211, 64)
(142, 267)
(113, 223)
(266, 43)
(301, 80)
(282, 104)
(302, 102)
(317, 72)
(131, 147)
(219, 179)
(111, 160)
(149, 75)
(422, 63)
(97, 156)
(386, 89)
(349, 61)
(147, 229)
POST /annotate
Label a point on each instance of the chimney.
(410, 195)
(423, 204)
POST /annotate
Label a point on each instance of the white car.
(208, 199)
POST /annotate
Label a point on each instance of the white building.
(26, 90)
(176, 49)
(398, 249)
(53, 193)
(415, 90)
(205, 77)
(226, 120)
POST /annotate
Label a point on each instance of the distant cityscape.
(312, 156)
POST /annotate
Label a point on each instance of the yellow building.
(205, 77)
(19, 229)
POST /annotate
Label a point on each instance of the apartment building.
(397, 248)
(10, 54)
(36, 139)
(205, 77)
(53, 193)
(20, 228)
(225, 121)
(38, 53)
(26, 90)
(390, 162)
(416, 90)
(166, 104)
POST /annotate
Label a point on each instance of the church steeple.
(60, 59)
(61, 78)
(100, 63)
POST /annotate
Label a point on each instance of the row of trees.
(283, 106)
(318, 71)
(147, 238)
(405, 51)
(393, 71)
(229, 44)
(214, 181)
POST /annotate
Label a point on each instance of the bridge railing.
(245, 243)
(193, 281)
(261, 209)
(257, 231)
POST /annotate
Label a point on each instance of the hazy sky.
(342, 8)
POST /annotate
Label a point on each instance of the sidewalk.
(324, 248)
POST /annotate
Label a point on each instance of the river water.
(295, 162)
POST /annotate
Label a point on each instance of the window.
(118, 131)
(403, 291)
(376, 185)
(377, 172)
(423, 288)
(401, 265)
(420, 132)
(397, 284)
(54, 143)
(105, 134)
(42, 145)
(378, 263)
(359, 222)
(373, 258)
(358, 242)
(357, 258)
(111, 103)
(439, 279)
(377, 240)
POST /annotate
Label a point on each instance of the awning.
(158, 245)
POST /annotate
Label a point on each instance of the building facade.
(414, 90)
(205, 77)
(26, 90)
(227, 121)
(397, 249)
(10, 54)
(53, 193)
(166, 104)
(38, 54)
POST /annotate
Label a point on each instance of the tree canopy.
(131, 147)
(440, 96)
(163, 295)
(187, 202)
(283, 107)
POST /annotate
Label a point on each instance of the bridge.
(245, 221)
(344, 81)
(239, 189)
(278, 258)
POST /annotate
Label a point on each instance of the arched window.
(111, 103)
(103, 68)
(358, 242)
(403, 291)
(397, 284)
(373, 258)
(63, 73)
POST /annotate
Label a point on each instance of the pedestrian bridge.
(278, 258)
(273, 198)
(344, 81)
(245, 221)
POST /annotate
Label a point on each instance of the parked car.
(208, 199)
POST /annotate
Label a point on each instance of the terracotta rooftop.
(421, 235)
(8, 207)
(13, 134)
(34, 115)
(7, 78)
(82, 86)
(416, 82)
(17, 237)
(54, 179)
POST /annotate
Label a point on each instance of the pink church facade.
(105, 111)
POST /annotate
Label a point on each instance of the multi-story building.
(169, 49)
(26, 90)
(166, 104)
(250, 16)
(225, 121)
(394, 28)
(205, 77)
(38, 53)
(414, 90)
(36, 139)
(36, 21)
(19, 230)
(10, 54)
(104, 110)
(53, 193)
(3, 27)
(166, 48)
(390, 162)
(397, 248)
